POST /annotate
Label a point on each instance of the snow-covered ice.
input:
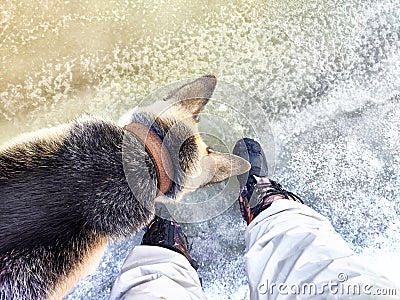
(326, 74)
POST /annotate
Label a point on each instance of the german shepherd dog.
(64, 191)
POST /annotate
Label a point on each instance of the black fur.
(59, 196)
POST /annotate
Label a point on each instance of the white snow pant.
(292, 253)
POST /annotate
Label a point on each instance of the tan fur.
(88, 265)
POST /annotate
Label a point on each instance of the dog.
(68, 190)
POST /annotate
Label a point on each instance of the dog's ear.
(221, 166)
(193, 96)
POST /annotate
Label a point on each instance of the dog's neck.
(159, 154)
(161, 130)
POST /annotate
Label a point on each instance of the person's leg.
(292, 251)
(160, 268)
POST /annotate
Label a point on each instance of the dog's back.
(51, 218)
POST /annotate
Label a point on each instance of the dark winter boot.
(168, 234)
(257, 190)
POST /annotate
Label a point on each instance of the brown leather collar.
(158, 153)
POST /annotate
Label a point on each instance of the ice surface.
(325, 72)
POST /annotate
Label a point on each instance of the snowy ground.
(327, 74)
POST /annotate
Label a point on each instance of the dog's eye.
(208, 149)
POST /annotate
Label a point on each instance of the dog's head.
(175, 119)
